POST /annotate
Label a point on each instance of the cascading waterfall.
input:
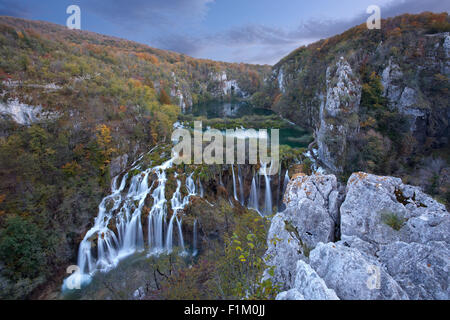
(234, 184)
(279, 186)
(241, 186)
(286, 181)
(190, 185)
(268, 193)
(176, 205)
(118, 232)
(253, 202)
(125, 210)
(201, 190)
(194, 241)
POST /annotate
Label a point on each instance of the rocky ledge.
(376, 238)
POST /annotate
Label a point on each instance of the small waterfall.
(180, 236)
(253, 201)
(158, 212)
(279, 186)
(220, 179)
(176, 205)
(234, 184)
(194, 241)
(124, 210)
(241, 186)
(200, 186)
(286, 181)
(268, 192)
(190, 185)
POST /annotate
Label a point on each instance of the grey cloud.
(276, 42)
(316, 28)
(150, 14)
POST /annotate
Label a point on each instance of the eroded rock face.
(118, 165)
(292, 294)
(382, 209)
(422, 270)
(391, 79)
(25, 114)
(308, 208)
(283, 252)
(349, 273)
(307, 220)
(342, 102)
(394, 241)
(310, 285)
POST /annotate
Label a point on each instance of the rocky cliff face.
(377, 239)
(321, 86)
(338, 115)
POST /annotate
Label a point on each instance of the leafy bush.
(23, 247)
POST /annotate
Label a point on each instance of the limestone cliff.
(377, 239)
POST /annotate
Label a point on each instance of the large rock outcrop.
(394, 241)
(310, 217)
(422, 270)
(349, 273)
(308, 284)
(382, 209)
(338, 115)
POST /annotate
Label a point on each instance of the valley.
(93, 205)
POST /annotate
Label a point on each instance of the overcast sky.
(251, 31)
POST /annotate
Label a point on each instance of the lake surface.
(291, 135)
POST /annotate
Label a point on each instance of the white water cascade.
(241, 186)
(253, 201)
(234, 184)
(201, 190)
(268, 192)
(286, 181)
(122, 211)
(194, 241)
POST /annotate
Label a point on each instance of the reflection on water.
(291, 135)
(232, 110)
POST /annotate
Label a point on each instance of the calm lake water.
(291, 135)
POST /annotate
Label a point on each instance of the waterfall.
(234, 184)
(180, 236)
(200, 186)
(176, 205)
(190, 185)
(268, 192)
(124, 209)
(253, 201)
(278, 189)
(241, 186)
(194, 241)
(220, 179)
(286, 181)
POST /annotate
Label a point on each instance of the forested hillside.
(77, 108)
(377, 99)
